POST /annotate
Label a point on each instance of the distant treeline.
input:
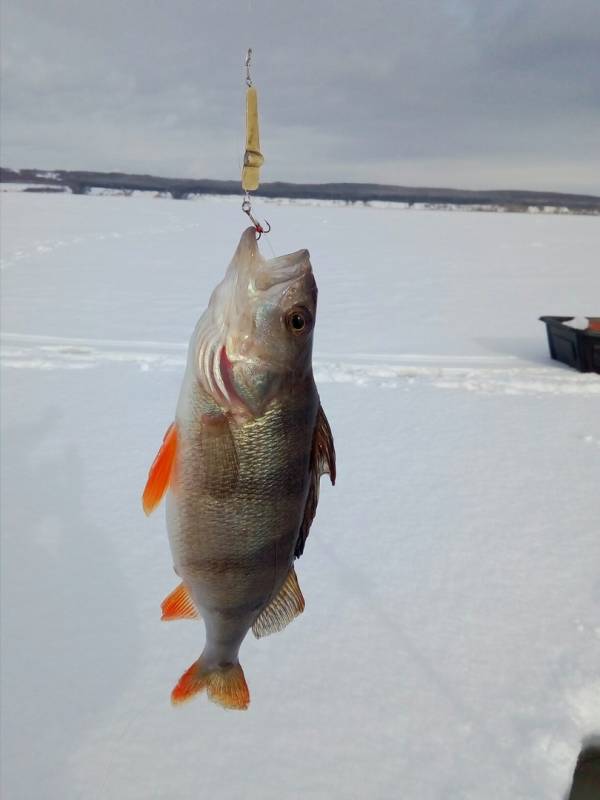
(180, 188)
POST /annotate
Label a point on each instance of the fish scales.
(240, 543)
(241, 464)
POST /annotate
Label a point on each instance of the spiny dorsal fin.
(323, 447)
(179, 605)
(161, 470)
(283, 608)
(322, 462)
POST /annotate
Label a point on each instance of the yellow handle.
(253, 158)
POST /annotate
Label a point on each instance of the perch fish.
(241, 464)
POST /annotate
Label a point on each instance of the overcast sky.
(462, 93)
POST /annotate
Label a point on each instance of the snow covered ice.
(451, 639)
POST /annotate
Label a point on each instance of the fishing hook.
(247, 209)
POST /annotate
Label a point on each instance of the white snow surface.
(451, 639)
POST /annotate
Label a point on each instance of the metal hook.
(247, 209)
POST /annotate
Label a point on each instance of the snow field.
(451, 640)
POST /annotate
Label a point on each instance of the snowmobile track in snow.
(484, 374)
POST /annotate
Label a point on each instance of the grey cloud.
(457, 92)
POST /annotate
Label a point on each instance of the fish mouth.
(283, 269)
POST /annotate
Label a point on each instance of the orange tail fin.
(159, 476)
(224, 685)
(179, 605)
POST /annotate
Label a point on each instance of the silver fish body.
(235, 516)
(247, 449)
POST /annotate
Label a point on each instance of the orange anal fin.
(225, 686)
(161, 470)
(179, 605)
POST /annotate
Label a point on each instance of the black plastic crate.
(579, 349)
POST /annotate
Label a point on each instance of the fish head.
(256, 336)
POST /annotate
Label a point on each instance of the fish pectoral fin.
(179, 605)
(287, 604)
(224, 685)
(159, 476)
(221, 466)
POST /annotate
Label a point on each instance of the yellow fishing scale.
(253, 158)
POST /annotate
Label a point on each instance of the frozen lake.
(451, 639)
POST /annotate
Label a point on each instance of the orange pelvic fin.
(225, 686)
(161, 470)
(179, 605)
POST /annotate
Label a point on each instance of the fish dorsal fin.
(161, 470)
(179, 605)
(283, 608)
(323, 448)
(322, 462)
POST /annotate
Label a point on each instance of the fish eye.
(298, 319)
(297, 322)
